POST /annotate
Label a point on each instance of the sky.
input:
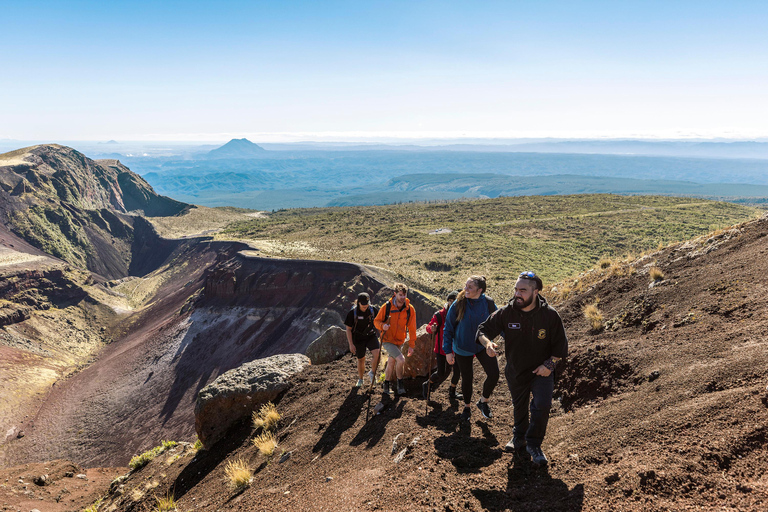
(276, 71)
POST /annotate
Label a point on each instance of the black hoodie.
(530, 337)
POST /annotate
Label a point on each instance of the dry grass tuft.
(604, 262)
(166, 503)
(267, 418)
(594, 316)
(656, 273)
(239, 475)
(266, 443)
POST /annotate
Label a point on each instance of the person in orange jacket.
(395, 319)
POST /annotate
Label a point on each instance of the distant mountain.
(237, 148)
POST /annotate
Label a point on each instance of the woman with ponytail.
(464, 316)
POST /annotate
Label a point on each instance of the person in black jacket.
(535, 341)
(361, 334)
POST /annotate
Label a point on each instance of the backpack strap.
(389, 310)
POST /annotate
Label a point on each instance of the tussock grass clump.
(139, 461)
(604, 262)
(266, 443)
(656, 273)
(198, 445)
(239, 475)
(166, 503)
(593, 316)
(267, 418)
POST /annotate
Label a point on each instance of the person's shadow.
(375, 428)
(345, 418)
(468, 454)
(531, 488)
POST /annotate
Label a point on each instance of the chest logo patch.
(542, 334)
(514, 326)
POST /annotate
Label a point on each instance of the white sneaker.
(359, 383)
(371, 376)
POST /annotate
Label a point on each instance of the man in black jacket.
(535, 341)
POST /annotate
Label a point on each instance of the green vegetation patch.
(139, 461)
(55, 231)
(556, 236)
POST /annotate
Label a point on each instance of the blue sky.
(370, 70)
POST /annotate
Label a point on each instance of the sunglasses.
(528, 275)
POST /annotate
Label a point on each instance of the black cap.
(363, 299)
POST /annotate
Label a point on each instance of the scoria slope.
(665, 408)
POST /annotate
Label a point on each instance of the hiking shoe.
(466, 415)
(485, 409)
(515, 445)
(387, 390)
(425, 389)
(371, 376)
(400, 387)
(537, 456)
(454, 394)
(359, 383)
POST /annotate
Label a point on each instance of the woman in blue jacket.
(471, 308)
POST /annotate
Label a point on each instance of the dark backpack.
(389, 309)
(372, 316)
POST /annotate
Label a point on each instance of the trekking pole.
(375, 370)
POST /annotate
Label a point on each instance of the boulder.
(329, 347)
(237, 393)
(422, 362)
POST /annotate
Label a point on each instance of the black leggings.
(491, 367)
(443, 369)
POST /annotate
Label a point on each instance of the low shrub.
(139, 461)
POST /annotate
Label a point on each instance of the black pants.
(490, 366)
(443, 369)
(531, 427)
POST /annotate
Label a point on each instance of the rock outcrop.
(328, 347)
(234, 396)
(421, 362)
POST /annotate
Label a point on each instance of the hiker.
(461, 322)
(361, 335)
(535, 341)
(435, 327)
(394, 319)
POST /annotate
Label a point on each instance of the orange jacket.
(398, 324)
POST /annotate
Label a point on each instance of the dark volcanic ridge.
(86, 212)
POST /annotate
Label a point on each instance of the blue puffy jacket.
(460, 337)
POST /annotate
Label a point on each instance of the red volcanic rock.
(420, 364)
(329, 347)
(237, 393)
